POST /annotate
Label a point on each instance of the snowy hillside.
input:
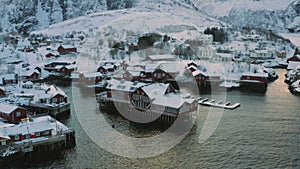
(94, 21)
(268, 14)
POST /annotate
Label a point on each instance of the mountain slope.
(267, 14)
(174, 8)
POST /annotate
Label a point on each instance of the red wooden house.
(12, 113)
(53, 65)
(108, 68)
(51, 55)
(66, 69)
(66, 49)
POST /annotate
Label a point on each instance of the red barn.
(65, 49)
(12, 113)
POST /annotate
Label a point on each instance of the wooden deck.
(219, 104)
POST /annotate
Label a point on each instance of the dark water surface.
(263, 133)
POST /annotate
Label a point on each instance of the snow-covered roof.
(261, 51)
(91, 74)
(53, 90)
(169, 67)
(8, 76)
(108, 66)
(123, 85)
(161, 57)
(224, 55)
(229, 84)
(68, 46)
(2, 88)
(198, 72)
(151, 67)
(192, 67)
(72, 66)
(29, 72)
(134, 73)
(255, 74)
(191, 62)
(7, 108)
(29, 83)
(172, 100)
(155, 90)
(293, 65)
(39, 124)
(134, 69)
(60, 62)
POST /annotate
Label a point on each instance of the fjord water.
(263, 133)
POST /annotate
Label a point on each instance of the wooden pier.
(55, 111)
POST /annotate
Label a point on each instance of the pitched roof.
(169, 67)
(91, 74)
(172, 100)
(155, 90)
(7, 108)
(198, 72)
(123, 85)
(293, 65)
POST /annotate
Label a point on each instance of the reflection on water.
(262, 133)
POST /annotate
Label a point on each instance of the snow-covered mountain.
(275, 15)
(27, 15)
(179, 10)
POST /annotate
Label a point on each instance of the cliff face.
(28, 15)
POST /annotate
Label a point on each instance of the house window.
(3, 142)
(46, 132)
(54, 100)
(17, 137)
(27, 136)
(18, 114)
